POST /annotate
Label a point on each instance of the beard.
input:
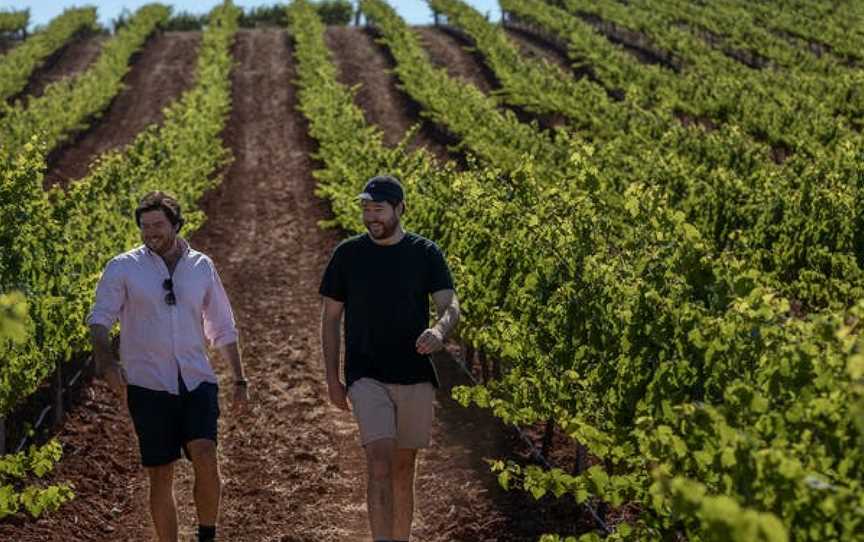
(382, 230)
(159, 244)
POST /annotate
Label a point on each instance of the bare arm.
(110, 297)
(106, 364)
(240, 394)
(447, 308)
(101, 339)
(231, 352)
(331, 320)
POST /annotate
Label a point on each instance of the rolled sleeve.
(110, 294)
(219, 326)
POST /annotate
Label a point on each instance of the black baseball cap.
(383, 188)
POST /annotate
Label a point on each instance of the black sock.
(206, 533)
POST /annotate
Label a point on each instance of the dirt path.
(534, 49)
(291, 469)
(448, 52)
(361, 61)
(70, 60)
(160, 73)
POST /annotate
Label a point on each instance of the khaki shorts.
(397, 411)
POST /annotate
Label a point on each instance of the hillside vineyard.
(653, 211)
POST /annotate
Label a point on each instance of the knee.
(203, 455)
(403, 469)
(404, 466)
(380, 469)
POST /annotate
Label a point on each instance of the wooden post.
(496, 368)
(484, 365)
(548, 433)
(58, 394)
(435, 16)
(469, 358)
(2, 436)
(357, 15)
(581, 458)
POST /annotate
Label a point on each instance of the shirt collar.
(184, 249)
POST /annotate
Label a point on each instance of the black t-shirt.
(386, 292)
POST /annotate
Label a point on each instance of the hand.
(430, 341)
(240, 398)
(338, 395)
(116, 379)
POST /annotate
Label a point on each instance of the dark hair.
(160, 201)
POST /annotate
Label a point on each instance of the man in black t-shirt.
(382, 281)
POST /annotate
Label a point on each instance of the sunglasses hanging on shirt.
(170, 298)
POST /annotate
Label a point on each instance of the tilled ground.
(288, 476)
(292, 466)
(70, 60)
(159, 75)
(532, 48)
(362, 62)
(450, 53)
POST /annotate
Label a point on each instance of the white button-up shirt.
(157, 340)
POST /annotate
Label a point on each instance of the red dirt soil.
(449, 48)
(159, 74)
(361, 61)
(533, 49)
(292, 466)
(448, 52)
(289, 467)
(70, 60)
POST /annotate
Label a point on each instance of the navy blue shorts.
(165, 423)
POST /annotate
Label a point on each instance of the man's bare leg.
(404, 466)
(208, 485)
(162, 506)
(379, 488)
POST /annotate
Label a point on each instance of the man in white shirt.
(169, 300)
